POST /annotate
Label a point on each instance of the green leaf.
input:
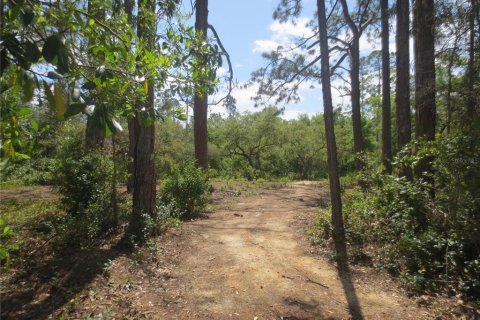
(74, 109)
(28, 89)
(59, 101)
(27, 17)
(49, 94)
(91, 22)
(63, 63)
(4, 63)
(89, 85)
(51, 47)
(32, 53)
(21, 156)
(54, 75)
(24, 112)
(34, 125)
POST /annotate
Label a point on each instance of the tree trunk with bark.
(129, 5)
(335, 195)
(402, 94)
(200, 102)
(144, 191)
(386, 105)
(472, 73)
(424, 50)
(354, 54)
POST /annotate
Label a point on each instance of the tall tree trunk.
(471, 113)
(424, 50)
(335, 195)
(386, 105)
(354, 54)
(402, 94)
(129, 5)
(448, 102)
(355, 99)
(200, 103)
(144, 192)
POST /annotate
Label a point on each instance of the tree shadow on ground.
(42, 289)
(345, 276)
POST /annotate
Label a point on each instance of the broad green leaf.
(145, 87)
(24, 112)
(59, 101)
(51, 47)
(63, 65)
(49, 94)
(21, 156)
(89, 85)
(34, 125)
(117, 126)
(27, 16)
(54, 75)
(74, 109)
(4, 62)
(28, 89)
(91, 22)
(32, 53)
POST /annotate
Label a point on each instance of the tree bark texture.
(472, 73)
(335, 195)
(424, 50)
(144, 192)
(129, 5)
(354, 55)
(200, 102)
(402, 94)
(386, 105)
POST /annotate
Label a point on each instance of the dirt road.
(247, 262)
(249, 259)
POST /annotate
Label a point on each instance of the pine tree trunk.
(386, 114)
(335, 195)
(402, 94)
(144, 191)
(471, 112)
(355, 99)
(200, 102)
(424, 50)
(129, 5)
(354, 53)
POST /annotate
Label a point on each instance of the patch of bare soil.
(26, 193)
(248, 260)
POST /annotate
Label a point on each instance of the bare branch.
(230, 69)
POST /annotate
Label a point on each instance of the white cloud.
(221, 72)
(282, 35)
(297, 28)
(243, 97)
(265, 45)
(294, 114)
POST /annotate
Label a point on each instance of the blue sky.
(246, 28)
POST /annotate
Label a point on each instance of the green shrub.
(38, 171)
(431, 240)
(85, 188)
(186, 189)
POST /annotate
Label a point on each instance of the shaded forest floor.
(250, 258)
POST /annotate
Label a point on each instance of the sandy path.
(246, 262)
